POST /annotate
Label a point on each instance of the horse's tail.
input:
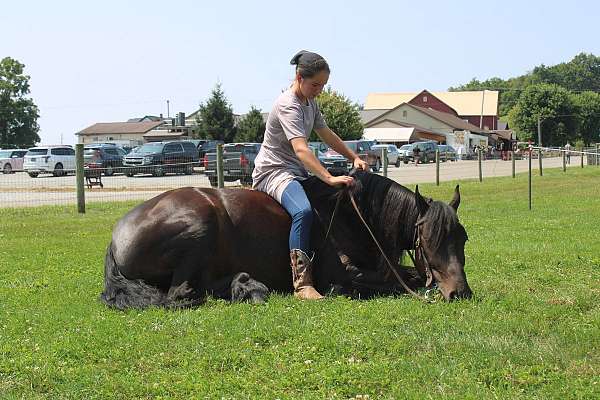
(122, 293)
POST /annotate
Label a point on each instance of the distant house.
(137, 131)
(395, 132)
(407, 123)
(479, 108)
(125, 133)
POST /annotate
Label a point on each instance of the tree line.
(564, 98)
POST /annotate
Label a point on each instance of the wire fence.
(60, 186)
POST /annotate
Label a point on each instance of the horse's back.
(224, 231)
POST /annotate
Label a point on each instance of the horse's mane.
(391, 209)
(388, 207)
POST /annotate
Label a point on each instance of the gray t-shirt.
(276, 164)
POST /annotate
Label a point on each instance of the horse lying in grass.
(177, 248)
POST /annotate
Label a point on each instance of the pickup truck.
(238, 163)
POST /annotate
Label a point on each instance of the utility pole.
(168, 109)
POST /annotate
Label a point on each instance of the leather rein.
(418, 248)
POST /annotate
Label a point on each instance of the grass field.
(531, 331)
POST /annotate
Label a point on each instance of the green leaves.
(563, 95)
(341, 115)
(18, 115)
(215, 118)
(553, 105)
(251, 128)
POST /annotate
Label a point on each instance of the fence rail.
(18, 189)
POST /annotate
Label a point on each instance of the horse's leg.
(186, 289)
(330, 275)
(357, 274)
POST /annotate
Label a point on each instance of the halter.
(420, 256)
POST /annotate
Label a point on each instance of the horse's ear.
(422, 205)
(455, 202)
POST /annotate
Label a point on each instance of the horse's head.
(442, 239)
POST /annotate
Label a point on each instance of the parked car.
(55, 160)
(404, 150)
(392, 153)
(427, 152)
(319, 145)
(238, 163)
(12, 160)
(159, 158)
(207, 146)
(447, 152)
(336, 164)
(362, 148)
(106, 157)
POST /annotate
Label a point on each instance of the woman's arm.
(334, 141)
(311, 162)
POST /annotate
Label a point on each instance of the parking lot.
(19, 190)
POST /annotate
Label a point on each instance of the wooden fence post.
(437, 167)
(220, 178)
(79, 174)
(540, 161)
(512, 158)
(479, 162)
(529, 181)
(384, 158)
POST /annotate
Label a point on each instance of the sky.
(109, 61)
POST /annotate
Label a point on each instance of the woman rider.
(284, 158)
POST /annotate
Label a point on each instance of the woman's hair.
(308, 64)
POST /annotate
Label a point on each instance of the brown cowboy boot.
(302, 276)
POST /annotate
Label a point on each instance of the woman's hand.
(360, 164)
(339, 181)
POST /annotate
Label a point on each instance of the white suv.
(55, 160)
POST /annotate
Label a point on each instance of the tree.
(341, 115)
(18, 114)
(215, 118)
(587, 106)
(251, 128)
(581, 73)
(550, 103)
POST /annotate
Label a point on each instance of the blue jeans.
(296, 203)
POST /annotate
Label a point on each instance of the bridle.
(419, 252)
(420, 259)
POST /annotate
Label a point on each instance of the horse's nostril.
(452, 295)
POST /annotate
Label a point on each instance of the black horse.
(186, 243)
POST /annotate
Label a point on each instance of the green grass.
(532, 330)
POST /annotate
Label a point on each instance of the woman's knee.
(305, 214)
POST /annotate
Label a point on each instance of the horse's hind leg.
(186, 287)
